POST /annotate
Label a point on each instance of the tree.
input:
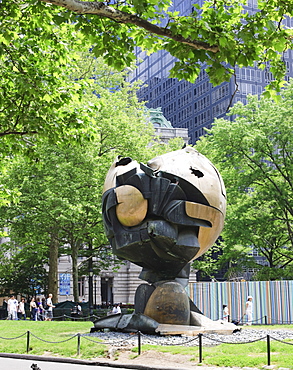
(59, 208)
(38, 44)
(23, 272)
(254, 156)
(219, 33)
(60, 187)
(39, 98)
(37, 90)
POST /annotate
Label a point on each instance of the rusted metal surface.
(169, 304)
(161, 216)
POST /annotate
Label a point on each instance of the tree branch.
(106, 11)
(21, 133)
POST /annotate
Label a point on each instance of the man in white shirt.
(50, 305)
(116, 309)
(12, 308)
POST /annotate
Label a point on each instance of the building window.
(268, 75)
(81, 286)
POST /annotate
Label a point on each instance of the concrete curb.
(84, 362)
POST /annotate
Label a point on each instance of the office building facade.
(194, 106)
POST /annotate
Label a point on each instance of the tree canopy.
(37, 88)
(221, 34)
(58, 209)
(254, 154)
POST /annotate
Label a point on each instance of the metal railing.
(197, 340)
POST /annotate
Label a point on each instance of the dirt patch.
(151, 358)
(156, 360)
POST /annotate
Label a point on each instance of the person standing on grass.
(50, 308)
(43, 309)
(33, 309)
(21, 310)
(249, 310)
(12, 306)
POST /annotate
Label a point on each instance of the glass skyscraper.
(194, 106)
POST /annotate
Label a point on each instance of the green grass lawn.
(238, 355)
(249, 355)
(235, 355)
(59, 338)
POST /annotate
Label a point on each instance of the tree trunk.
(53, 267)
(74, 255)
(90, 266)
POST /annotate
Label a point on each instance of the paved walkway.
(25, 362)
(8, 363)
(12, 363)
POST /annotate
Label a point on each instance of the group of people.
(40, 309)
(248, 311)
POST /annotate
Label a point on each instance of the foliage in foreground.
(254, 152)
(219, 33)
